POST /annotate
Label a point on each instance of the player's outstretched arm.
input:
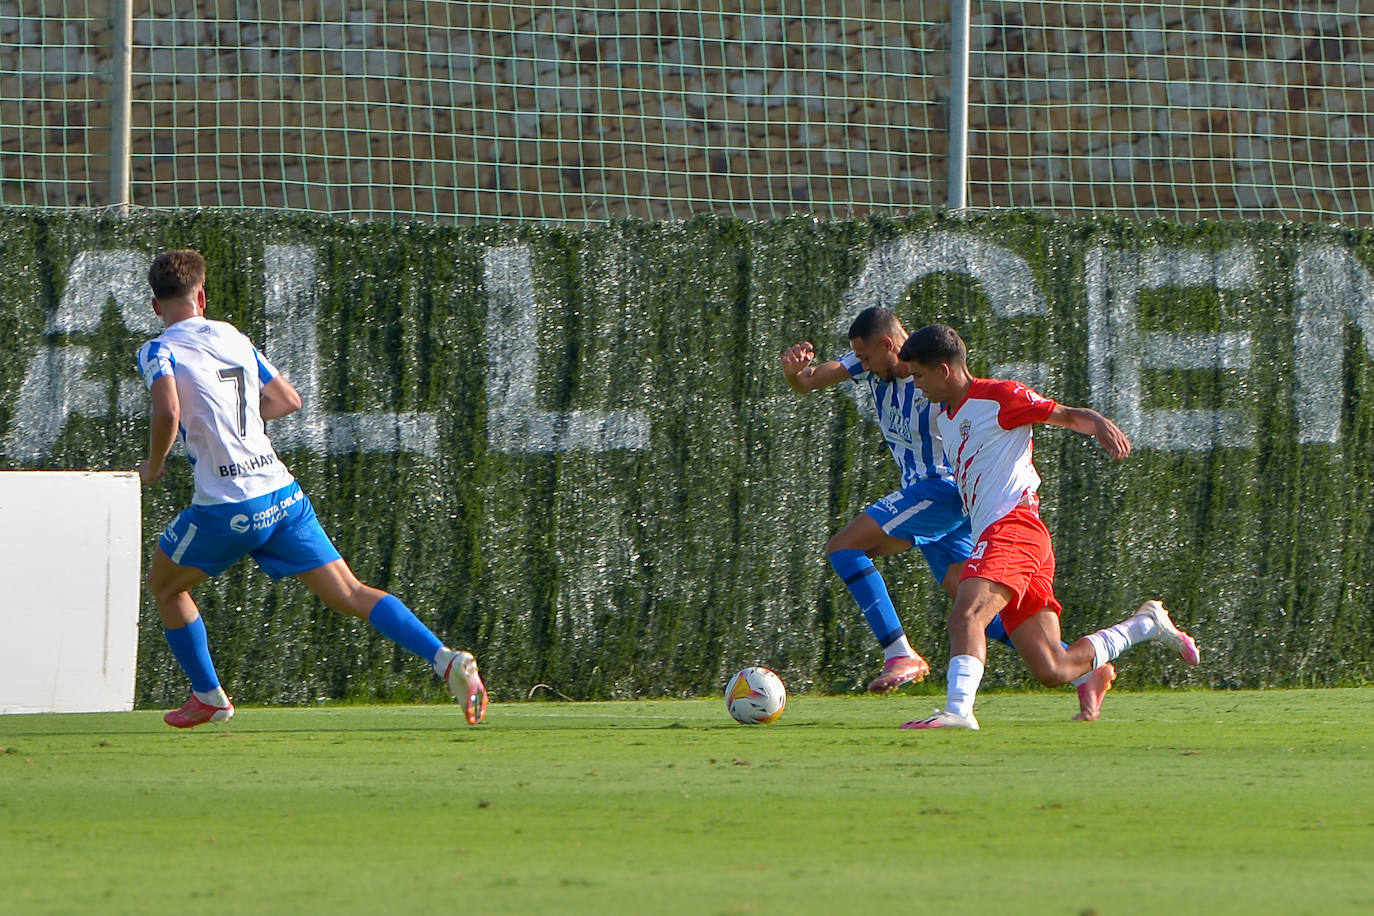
(801, 373)
(162, 427)
(1091, 423)
(278, 399)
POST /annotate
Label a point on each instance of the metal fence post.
(121, 105)
(958, 104)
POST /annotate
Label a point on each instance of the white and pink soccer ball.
(755, 696)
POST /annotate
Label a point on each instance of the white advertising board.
(69, 551)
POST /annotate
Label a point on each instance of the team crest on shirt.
(965, 427)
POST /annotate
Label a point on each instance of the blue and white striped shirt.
(907, 419)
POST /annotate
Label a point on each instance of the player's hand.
(148, 472)
(797, 357)
(1113, 440)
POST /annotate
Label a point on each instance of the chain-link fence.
(583, 112)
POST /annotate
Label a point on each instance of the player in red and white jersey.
(990, 433)
(926, 512)
(986, 427)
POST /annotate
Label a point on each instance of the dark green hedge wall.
(606, 486)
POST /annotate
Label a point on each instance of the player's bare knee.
(965, 617)
(1051, 674)
(351, 602)
(840, 541)
(167, 594)
(364, 599)
(161, 590)
(1051, 679)
(357, 599)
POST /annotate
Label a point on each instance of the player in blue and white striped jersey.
(926, 512)
(212, 388)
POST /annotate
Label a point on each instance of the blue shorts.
(278, 530)
(930, 515)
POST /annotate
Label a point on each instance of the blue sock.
(397, 623)
(998, 631)
(866, 584)
(192, 652)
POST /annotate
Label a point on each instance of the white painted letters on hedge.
(1118, 349)
(293, 310)
(1334, 290)
(1004, 277)
(56, 386)
(514, 422)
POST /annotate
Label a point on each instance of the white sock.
(441, 659)
(1106, 646)
(1111, 642)
(216, 697)
(1139, 627)
(899, 649)
(965, 674)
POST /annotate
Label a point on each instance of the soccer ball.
(755, 696)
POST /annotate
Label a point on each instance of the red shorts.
(1015, 552)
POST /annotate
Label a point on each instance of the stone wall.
(444, 110)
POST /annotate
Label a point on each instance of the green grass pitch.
(1179, 802)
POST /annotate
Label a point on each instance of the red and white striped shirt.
(987, 440)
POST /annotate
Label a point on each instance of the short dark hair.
(934, 344)
(176, 273)
(872, 322)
